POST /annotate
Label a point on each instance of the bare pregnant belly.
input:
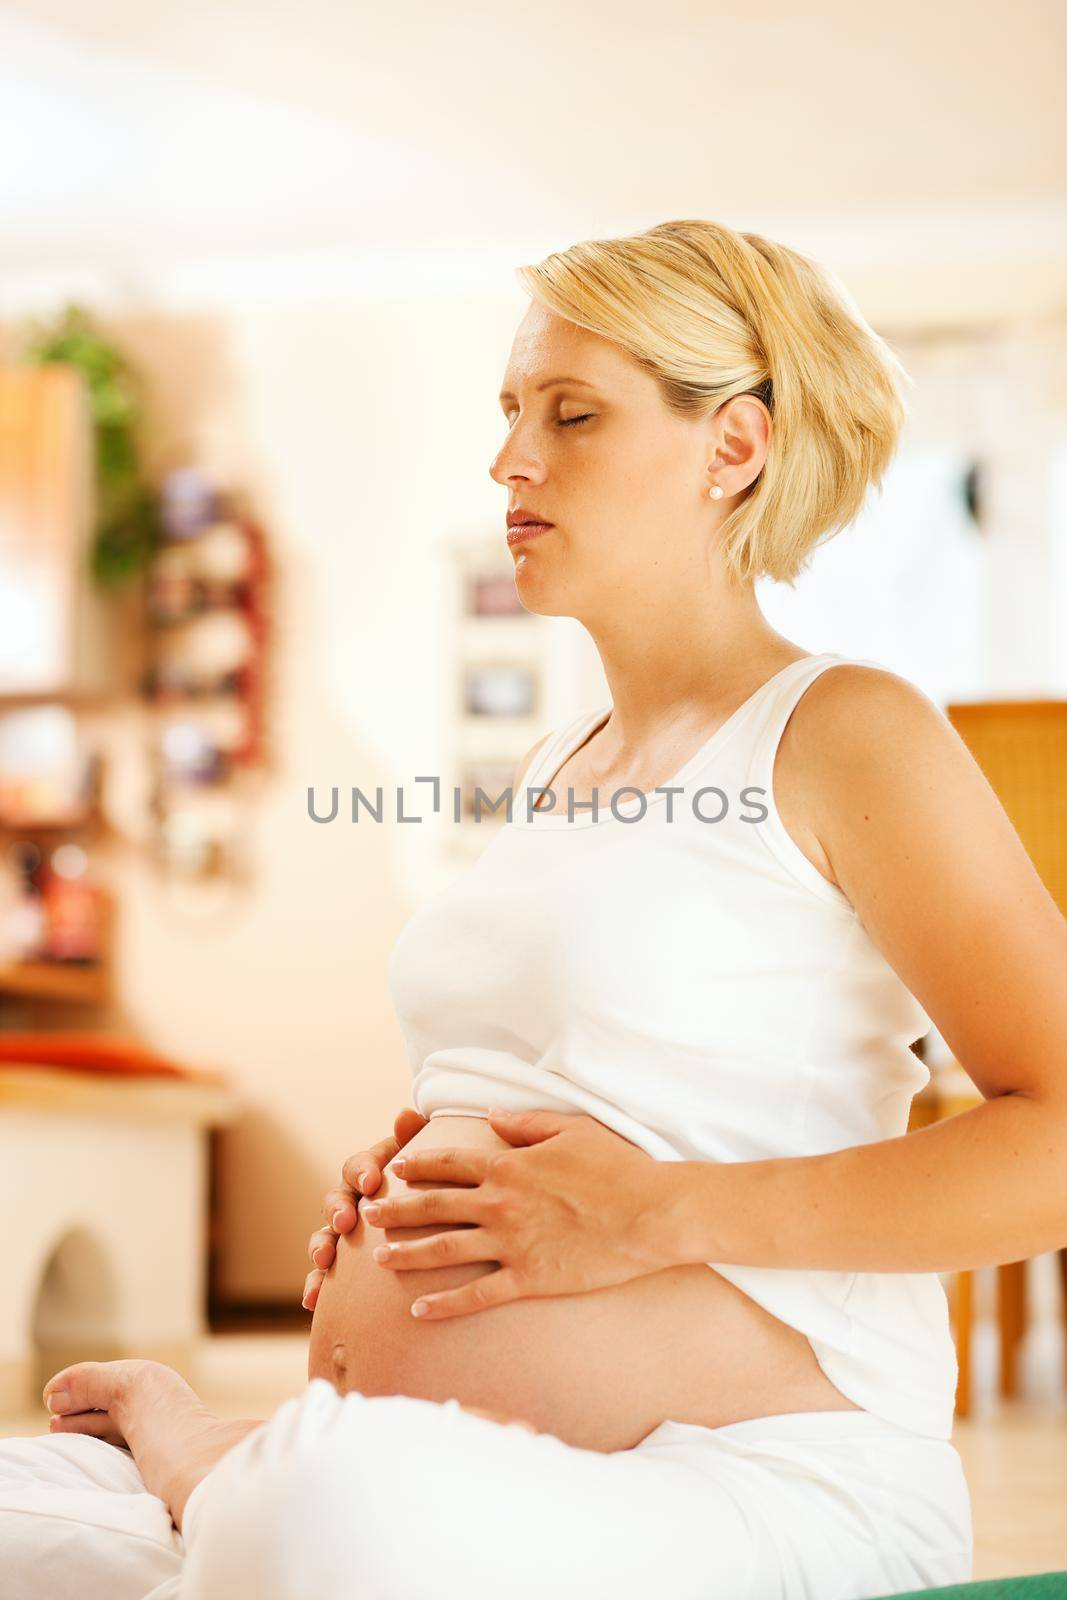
(600, 1370)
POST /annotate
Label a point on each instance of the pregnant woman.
(672, 1256)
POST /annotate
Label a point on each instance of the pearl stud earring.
(715, 492)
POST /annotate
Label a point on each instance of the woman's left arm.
(923, 849)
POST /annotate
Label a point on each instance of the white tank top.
(677, 968)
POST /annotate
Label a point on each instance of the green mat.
(1037, 1586)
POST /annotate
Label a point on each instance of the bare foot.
(151, 1410)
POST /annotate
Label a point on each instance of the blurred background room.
(256, 300)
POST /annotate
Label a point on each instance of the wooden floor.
(1015, 1459)
(1014, 1453)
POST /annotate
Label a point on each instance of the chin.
(536, 593)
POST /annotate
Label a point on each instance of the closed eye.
(565, 422)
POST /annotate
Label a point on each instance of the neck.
(669, 665)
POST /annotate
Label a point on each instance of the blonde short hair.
(712, 314)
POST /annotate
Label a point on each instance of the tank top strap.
(758, 759)
(781, 700)
(559, 745)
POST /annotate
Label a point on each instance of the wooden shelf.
(195, 1100)
(55, 980)
(73, 699)
(51, 827)
(92, 829)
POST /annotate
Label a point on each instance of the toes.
(98, 1385)
(97, 1424)
(87, 1386)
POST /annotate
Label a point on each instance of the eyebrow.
(506, 394)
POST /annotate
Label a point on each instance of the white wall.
(302, 224)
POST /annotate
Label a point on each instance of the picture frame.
(500, 689)
(493, 594)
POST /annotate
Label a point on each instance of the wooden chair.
(1021, 746)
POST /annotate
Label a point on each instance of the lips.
(525, 514)
(525, 524)
(527, 530)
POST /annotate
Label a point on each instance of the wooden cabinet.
(59, 634)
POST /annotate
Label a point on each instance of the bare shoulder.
(852, 710)
(858, 725)
(856, 732)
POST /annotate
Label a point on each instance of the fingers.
(363, 1172)
(492, 1289)
(438, 1250)
(423, 1207)
(322, 1247)
(447, 1164)
(407, 1125)
(339, 1209)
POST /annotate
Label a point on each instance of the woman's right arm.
(362, 1173)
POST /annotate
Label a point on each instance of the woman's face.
(626, 488)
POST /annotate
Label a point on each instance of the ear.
(742, 436)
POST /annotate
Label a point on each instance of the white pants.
(391, 1498)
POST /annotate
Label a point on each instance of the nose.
(515, 461)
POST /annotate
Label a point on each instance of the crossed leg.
(396, 1498)
(390, 1497)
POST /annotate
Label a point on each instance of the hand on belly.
(600, 1370)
